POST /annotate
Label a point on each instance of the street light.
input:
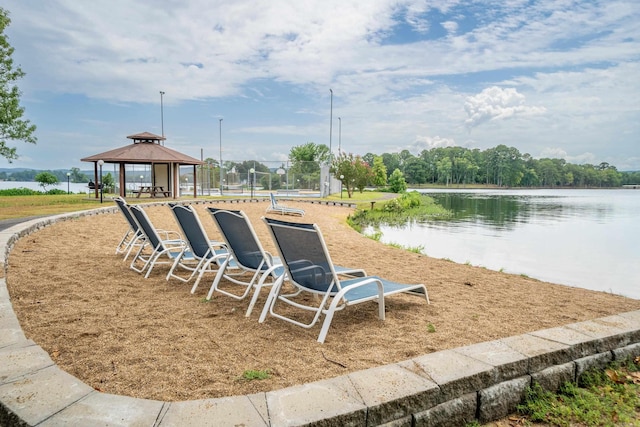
(330, 135)
(100, 163)
(162, 114)
(221, 157)
(341, 178)
(339, 136)
(252, 176)
(68, 176)
(141, 178)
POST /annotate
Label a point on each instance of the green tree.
(397, 184)
(344, 168)
(379, 172)
(306, 160)
(108, 183)
(12, 126)
(46, 178)
(77, 176)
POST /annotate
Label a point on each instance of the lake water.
(32, 185)
(583, 238)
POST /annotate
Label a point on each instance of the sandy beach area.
(151, 338)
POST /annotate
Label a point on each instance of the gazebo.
(146, 150)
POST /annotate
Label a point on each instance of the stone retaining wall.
(484, 381)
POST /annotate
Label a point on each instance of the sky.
(555, 78)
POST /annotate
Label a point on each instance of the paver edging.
(411, 392)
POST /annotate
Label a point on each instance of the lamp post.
(141, 178)
(100, 163)
(330, 137)
(68, 177)
(341, 178)
(162, 114)
(221, 157)
(339, 136)
(252, 177)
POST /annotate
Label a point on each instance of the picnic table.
(153, 191)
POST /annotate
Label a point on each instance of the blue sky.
(552, 78)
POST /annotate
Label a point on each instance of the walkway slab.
(101, 409)
(507, 362)
(542, 353)
(455, 373)
(334, 401)
(22, 359)
(36, 397)
(225, 411)
(581, 344)
(609, 334)
(391, 392)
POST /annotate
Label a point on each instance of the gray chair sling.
(154, 246)
(206, 252)
(246, 253)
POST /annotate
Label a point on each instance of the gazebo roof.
(145, 149)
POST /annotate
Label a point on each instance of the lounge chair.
(309, 268)
(154, 247)
(276, 207)
(247, 254)
(133, 236)
(206, 252)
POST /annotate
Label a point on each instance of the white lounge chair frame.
(276, 207)
(309, 268)
(171, 246)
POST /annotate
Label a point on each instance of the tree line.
(500, 166)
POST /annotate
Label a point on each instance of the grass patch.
(255, 374)
(45, 204)
(406, 207)
(600, 398)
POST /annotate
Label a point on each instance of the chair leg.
(216, 280)
(271, 298)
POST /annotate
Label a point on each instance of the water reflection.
(586, 238)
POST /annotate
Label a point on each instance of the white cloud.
(495, 103)
(575, 85)
(428, 142)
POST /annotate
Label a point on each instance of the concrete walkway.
(483, 381)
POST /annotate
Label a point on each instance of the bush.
(19, 192)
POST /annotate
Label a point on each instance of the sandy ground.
(151, 338)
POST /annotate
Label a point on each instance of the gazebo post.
(96, 180)
(123, 179)
(195, 183)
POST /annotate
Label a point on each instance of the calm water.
(32, 185)
(584, 238)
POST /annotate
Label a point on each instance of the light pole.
(141, 178)
(221, 157)
(100, 163)
(330, 135)
(252, 177)
(341, 178)
(339, 136)
(162, 115)
(68, 176)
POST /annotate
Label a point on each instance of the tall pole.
(162, 115)
(330, 124)
(339, 136)
(100, 163)
(330, 148)
(221, 157)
